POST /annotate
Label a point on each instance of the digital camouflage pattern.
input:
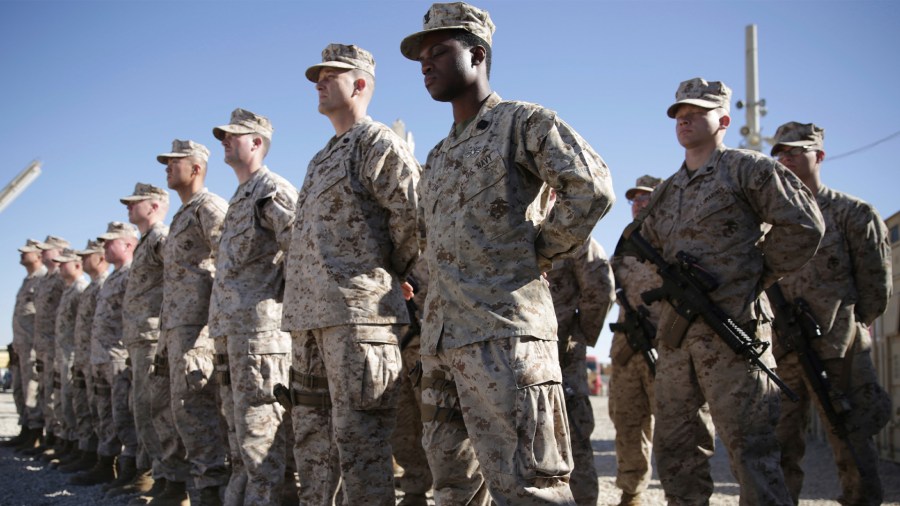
(245, 316)
(489, 317)
(83, 403)
(699, 92)
(478, 418)
(189, 269)
(117, 434)
(792, 134)
(142, 304)
(631, 382)
(23, 342)
(249, 278)
(342, 289)
(141, 309)
(46, 300)
(106, 329)
(847, 284)
(355, 236)
(66, 317)
(482, 288)
(583, 291)
(717, 214)
(189, 260)
(450, 16)
(341, 56)
(259, 423)
(362, 365)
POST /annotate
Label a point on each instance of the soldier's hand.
(407, 290)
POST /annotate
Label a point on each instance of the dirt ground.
(25, 481)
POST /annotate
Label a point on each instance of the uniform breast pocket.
(832, 261)
(328, 178)
(481, 176)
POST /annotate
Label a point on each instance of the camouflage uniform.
(141, 313)
(188, 279)
(406, 440)
(112, 376)
(66, 316)
(245, 315)
(847, 285)
(583, 291)
(46, 300)
(354, 241)
(87, 422)
(717, 214)
(631, 383)
(488, 353)
(23, 342)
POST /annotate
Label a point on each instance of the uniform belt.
(431, 413)
(308, 380)
(314, 399)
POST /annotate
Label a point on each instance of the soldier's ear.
(479, 53)
(724, 121)
(820, 156)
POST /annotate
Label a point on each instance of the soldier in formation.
(277, 321)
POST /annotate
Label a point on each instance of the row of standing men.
(493, 400)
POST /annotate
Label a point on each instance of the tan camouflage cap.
(67, 255)
(339, 56)
(182, 149)
(452, 16)
(793, 134)
(93, 246)
(644, 183)
(144, 191)
(699, 92)
(118, 230)
(53, 242)
(31, 246)
(245, 122)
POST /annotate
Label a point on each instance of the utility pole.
(755, 106)
(19, 183)
(399, 128)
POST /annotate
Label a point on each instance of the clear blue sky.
(96, 89)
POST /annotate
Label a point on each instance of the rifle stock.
(685, 286)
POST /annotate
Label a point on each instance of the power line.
(867, 146)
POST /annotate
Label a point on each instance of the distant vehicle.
(6, 381)
(595, 382)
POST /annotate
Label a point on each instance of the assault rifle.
(685, 286)
(638, 330)
(796, 328)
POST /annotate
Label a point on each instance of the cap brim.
(65, 259)
(29, 249)
(164, 158)
(631, 191)
(409, 46)
(219, 131)
(86, 252)
(706, 104)
(312, 73)
(109, 236)
(134, 198)
(792, 144)
(45, 246)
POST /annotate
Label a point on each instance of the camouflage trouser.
(257, 362)
(172, 461)
(141, 354)
(354, 368)
(47, 365)
(234, 492)
(201, 432)
(744, 405)
(406, 441)
(112, 386)
(16, 384)
(630, 409)
(498, 403)
(580, 414)
(85, 408)
(62, 403)
(858, 486)
(34, 418)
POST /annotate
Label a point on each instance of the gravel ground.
(25, 481)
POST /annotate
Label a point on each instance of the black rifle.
(685, 286)
(796, 328)
(638, 330)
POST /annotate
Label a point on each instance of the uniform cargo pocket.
(380, 371)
